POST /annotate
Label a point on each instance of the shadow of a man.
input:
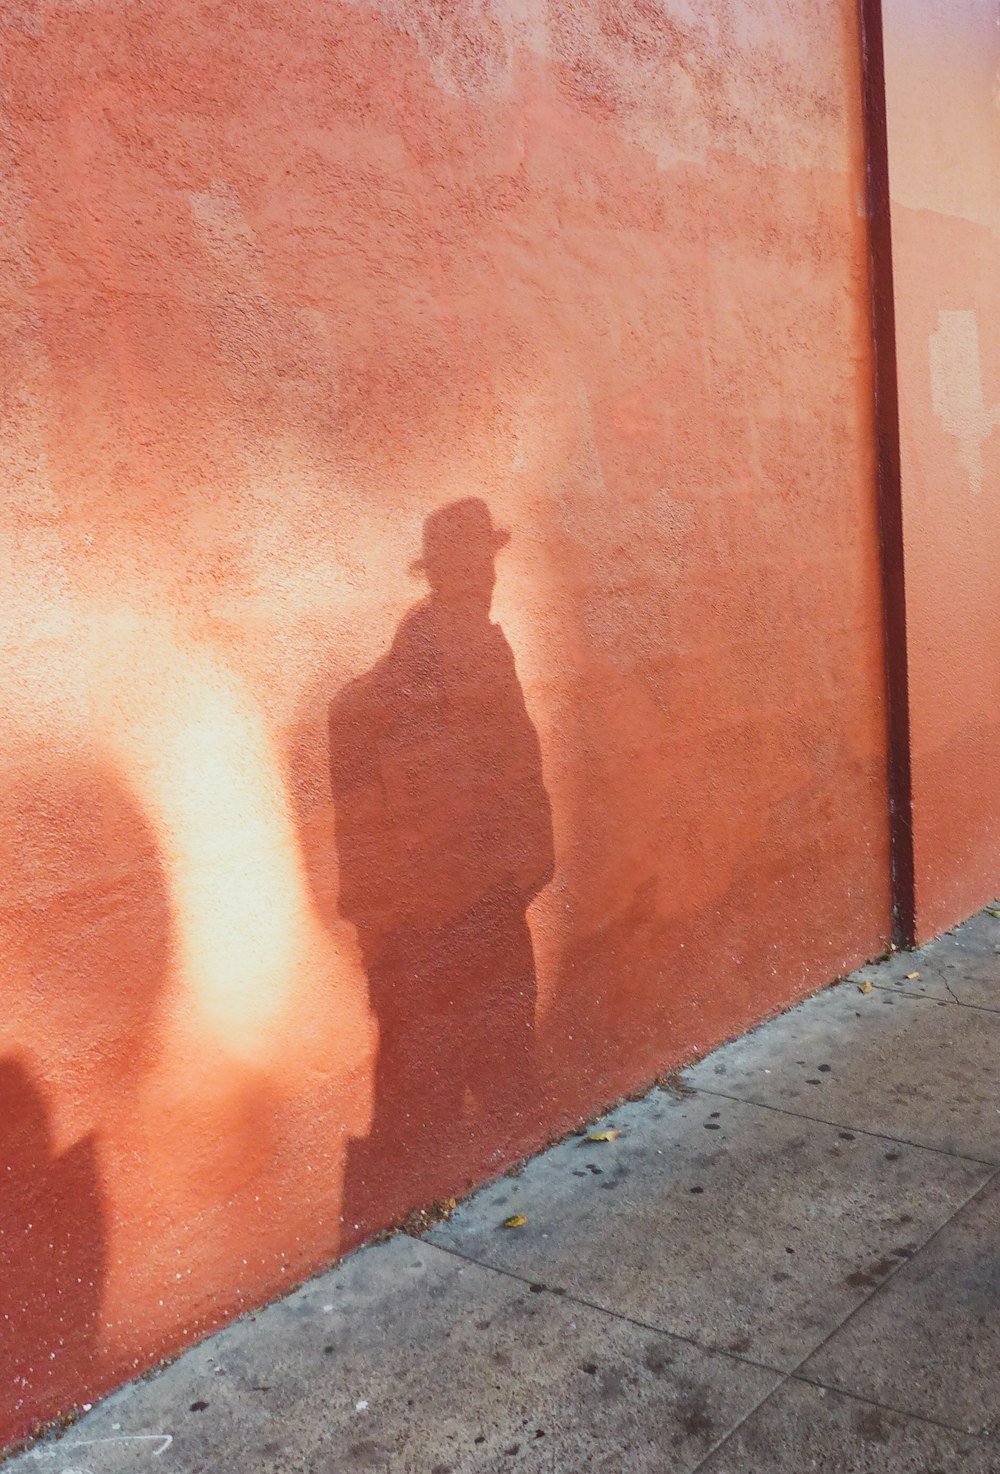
(444, 837)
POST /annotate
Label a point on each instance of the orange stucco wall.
(323, 891)
(943, 94)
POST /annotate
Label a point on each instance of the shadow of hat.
(453, 532)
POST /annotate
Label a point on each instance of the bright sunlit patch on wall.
(203, 765)
(235, 884)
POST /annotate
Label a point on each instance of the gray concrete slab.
(930, 1342)
(746, 1229)
(408, 1360)
(806, 1430)
(911, 1068)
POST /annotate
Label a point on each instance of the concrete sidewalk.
(791, 1263)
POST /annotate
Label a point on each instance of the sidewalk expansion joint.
(920, 1146)
(797, 1375)
(706, 1348)
(895, 991)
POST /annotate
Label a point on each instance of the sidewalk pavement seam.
(919, 1146)
(952, 1002)
(750, 1413)
(642, 1325)
(886, 1407)
(901, 1268)
(795, 1374)
(836, 1392)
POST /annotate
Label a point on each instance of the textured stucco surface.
(277, 284)
(943, 92)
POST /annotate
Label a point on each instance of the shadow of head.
(458, 557)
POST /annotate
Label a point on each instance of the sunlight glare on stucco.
(201, 758)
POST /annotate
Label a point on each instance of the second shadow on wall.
(444, 838)
(52, 1257)
(86, 939)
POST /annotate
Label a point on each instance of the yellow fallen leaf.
(609, 1135)
(912, 975)
(518, 1220)
(865, 987)
(995, 913)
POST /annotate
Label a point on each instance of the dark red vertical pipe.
(890, 501)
